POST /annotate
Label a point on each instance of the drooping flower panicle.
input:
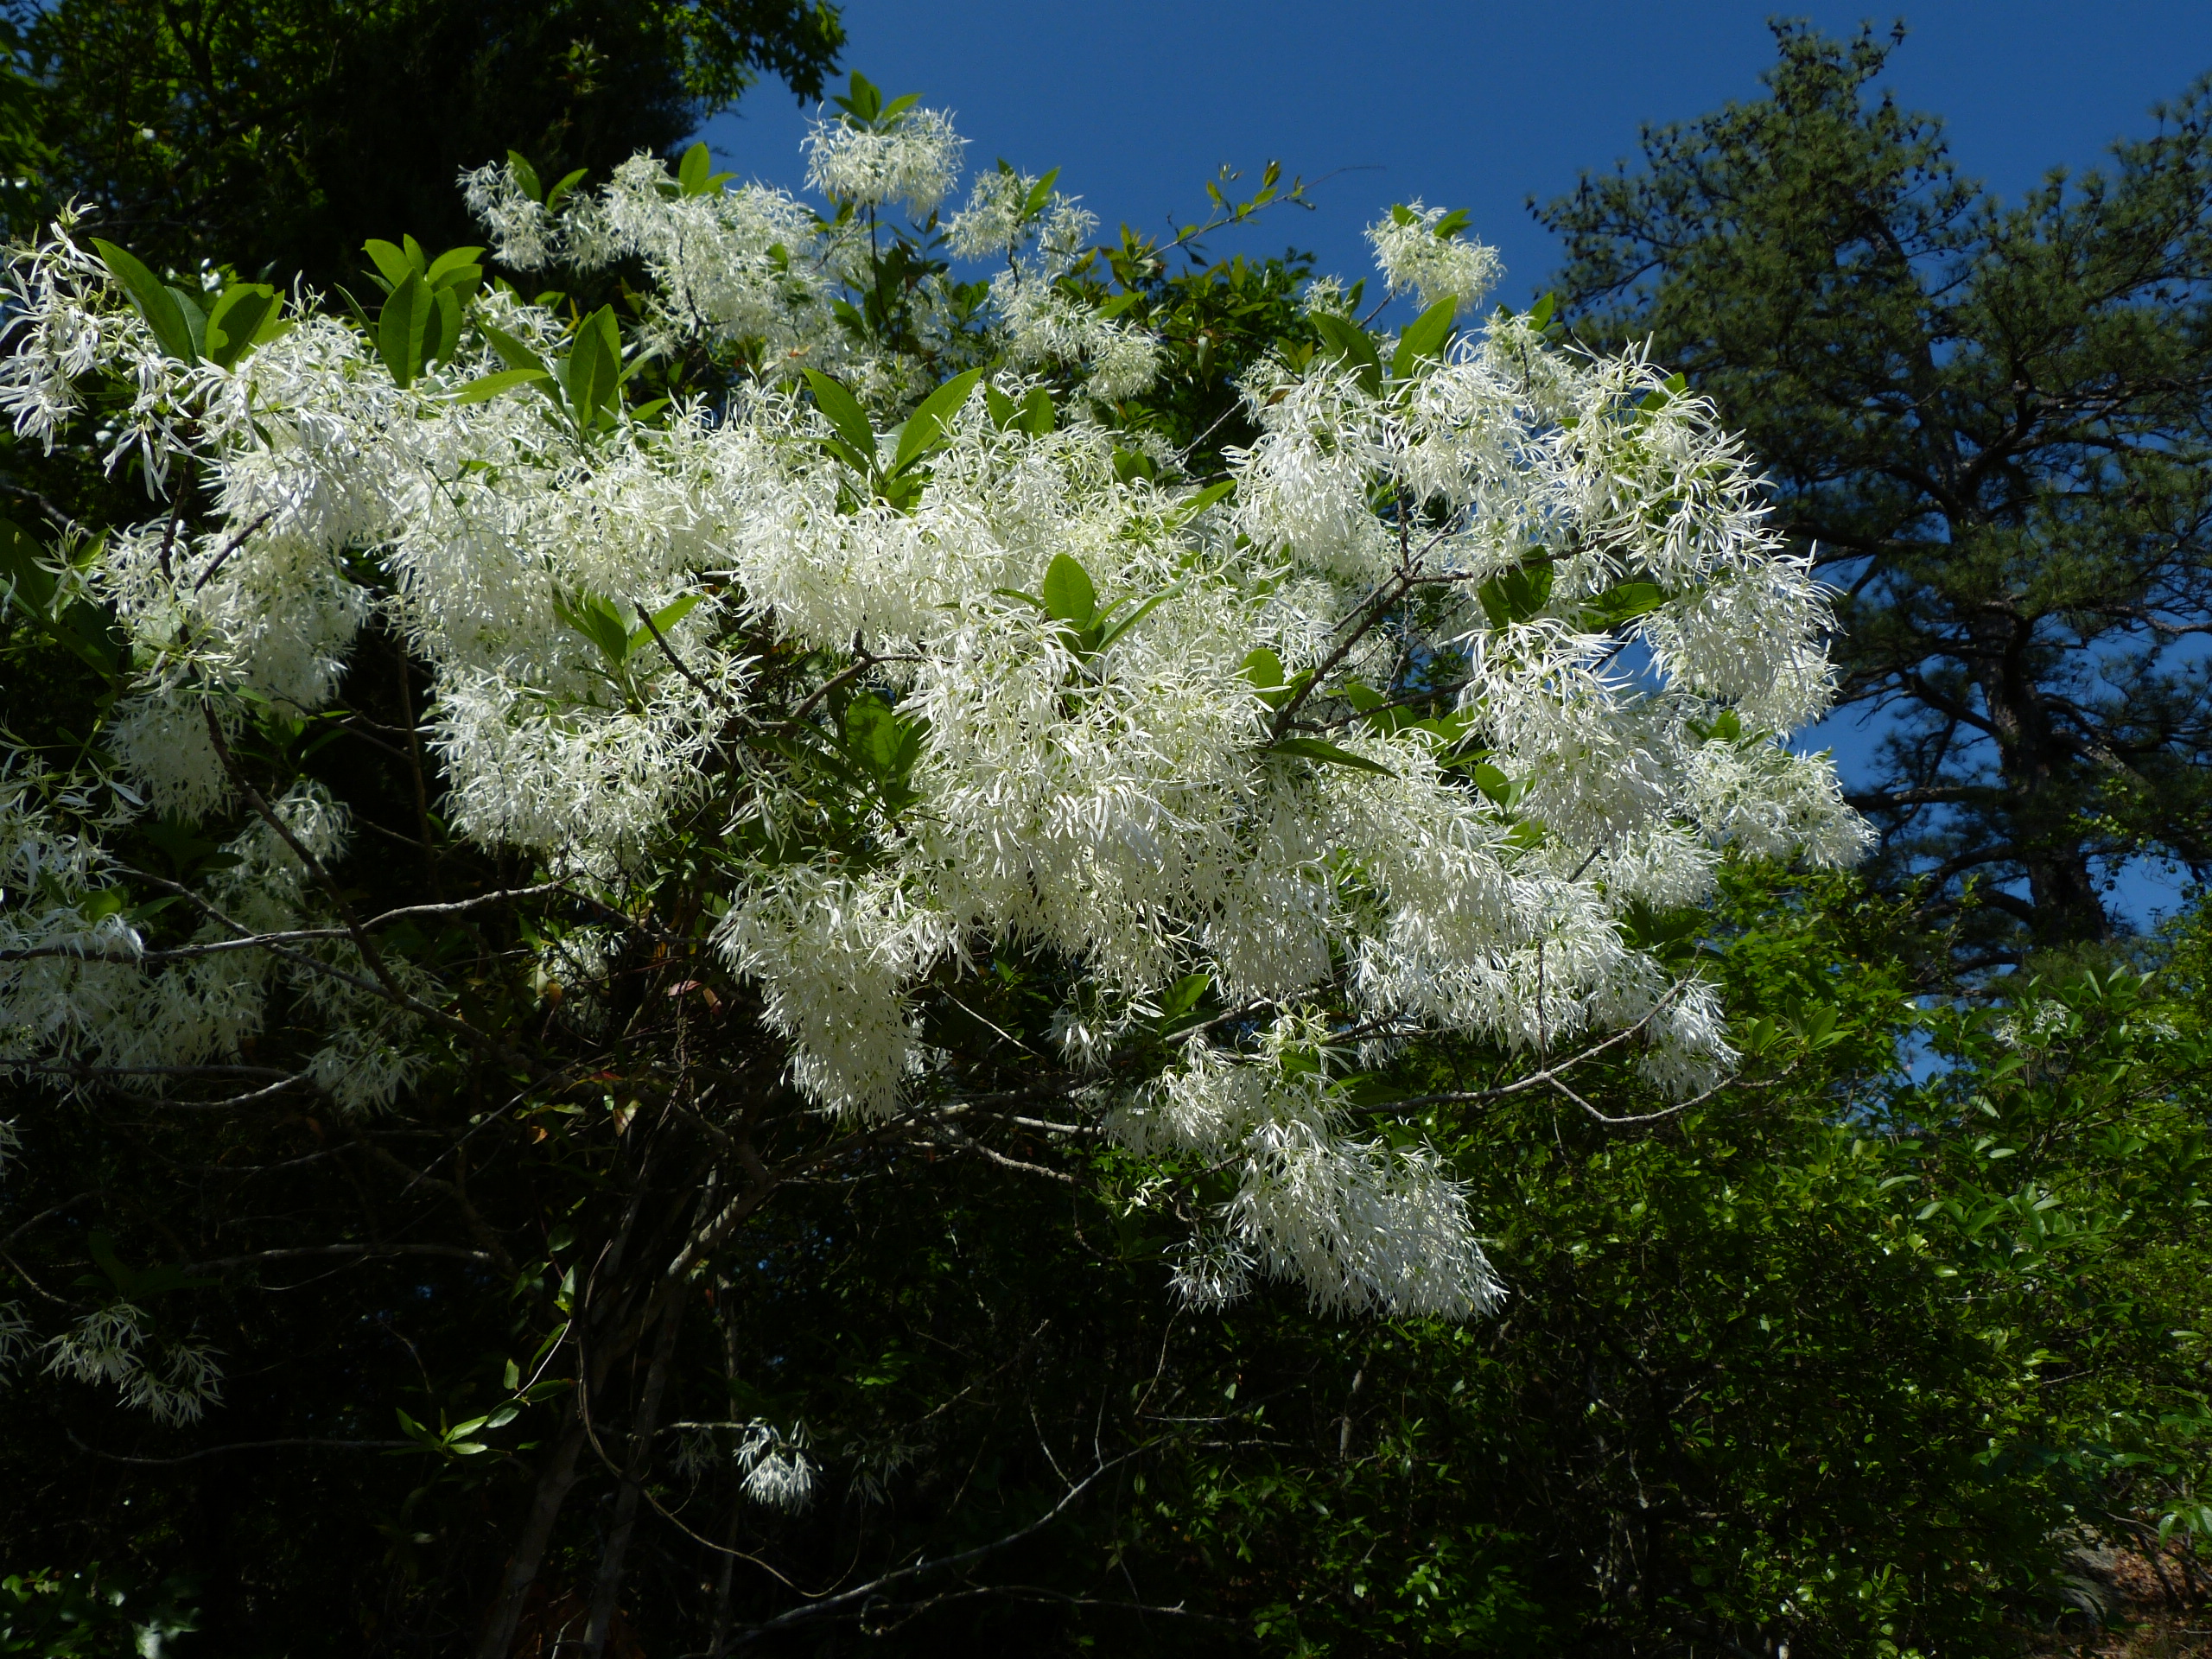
(1141, 727)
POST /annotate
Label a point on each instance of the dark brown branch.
(326, 1251)
(231, 547)
(669, 651)
(245, 1445)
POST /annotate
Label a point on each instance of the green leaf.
(391, 262)
(1109, 635)
(24, 579)
(101, 1249)
(453, 266)
(884, 747)
(925, 427)
(1622, 602)
(486, 387)
(1660, 397)
(1039, 193)
(553, 197)
(593, 370)
(1038, 415)
(461, 279)
(1002, 409)
(443, 332)
(195, 320)
(596, 618)
(1495, 785)
(1427, 337)
(1350, 343)
(1263, 668)
(1067, 592)
(513, 351)
(852, 458)
(156, 303)
(861, 101)
(138, 1283)
(1192, 505)
(1312, 748)
(1513, 596)
(691, 172)
(526, 175)
(401, 327)
(1130, 464)
(1726, 727)
(1540, 316)
(665, 618)
(844, 413)
(695, 173)
(1671, 936)
(1182, 997)
(1451, 224)
(242, 318)
(872, 733)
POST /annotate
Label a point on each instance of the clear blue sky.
(1477, 105)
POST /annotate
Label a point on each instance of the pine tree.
(1989, 424)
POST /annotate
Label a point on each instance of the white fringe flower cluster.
(914, 160)
(174, 1381)
(1582, 537)
(1419, 254)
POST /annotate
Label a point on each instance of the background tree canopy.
(1988, 424)
(1883, 1348)
(273, 135)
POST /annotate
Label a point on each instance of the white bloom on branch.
(915, 161)
(1415, 259)
(905, 756)
(523, 233)
(174, 1381)
(15, 1338)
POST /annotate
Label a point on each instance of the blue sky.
(1476, 105)
(1473, 104)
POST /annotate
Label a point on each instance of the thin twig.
(960, 1559)
(1540, 1079)
(365, 1251)
(369, 955)
(231, 547)
(245, 1445)
(669, 650)
(867, 660)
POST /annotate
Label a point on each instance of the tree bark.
(642, 1421)
(2061, 886)
(499, 1634)
(718, 1636)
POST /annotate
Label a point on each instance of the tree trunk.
(499, 1635)
(642, 1421)
(2051, 848)
(718, 1637)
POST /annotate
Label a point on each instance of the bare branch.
(245, 1445)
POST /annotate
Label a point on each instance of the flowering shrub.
(882, 662)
